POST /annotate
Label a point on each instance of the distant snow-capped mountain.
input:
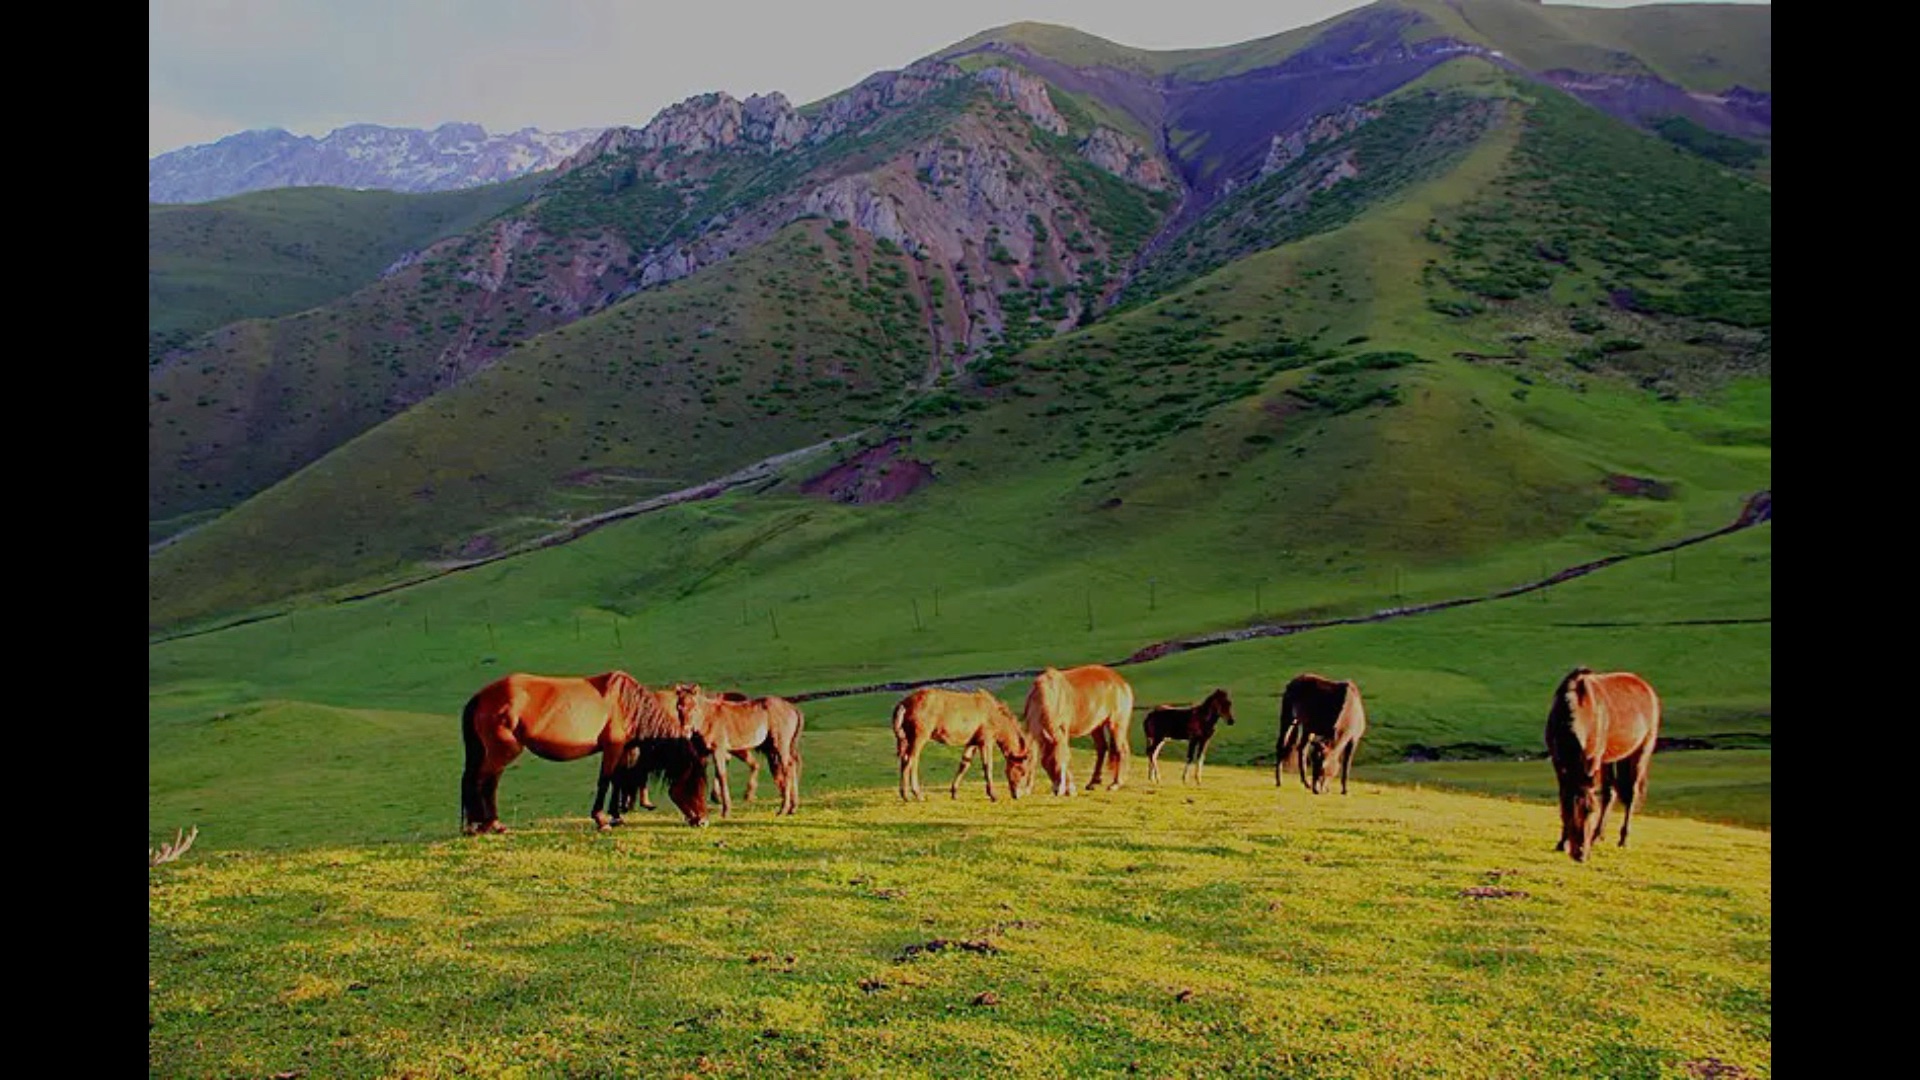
(358, 156)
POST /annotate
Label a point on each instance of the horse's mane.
(1571, 695)
(645, 717)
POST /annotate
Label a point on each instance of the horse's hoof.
(496, 827)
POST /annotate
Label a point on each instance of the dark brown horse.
(1192, 724)
(1321, 720)
(1601, 732)
(565, 719)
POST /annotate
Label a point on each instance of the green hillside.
(276, 252)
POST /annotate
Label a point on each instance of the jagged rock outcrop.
(1287, 148)
(363, 156)
(1124, 158)
(1028, 93)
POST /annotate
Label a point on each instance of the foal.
(1192, 724)
(975, 721)
(730, 724)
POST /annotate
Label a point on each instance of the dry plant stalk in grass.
(166, 853)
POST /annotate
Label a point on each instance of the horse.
(1192, 724)
(636, 768)
(974, 721)
(1321, 720)
(1601, 733)
(732, 724)
(1088, 700)
(564, 719)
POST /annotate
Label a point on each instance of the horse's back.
(1632, 709)
(1104, 697)
(1319, 704)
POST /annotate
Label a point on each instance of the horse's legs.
(1633, 787)
(1346, 765)
(1057, 754)
(1605, 781)
(1102, 750)
(986, 763)
(646, 801)
(753, 774)
(725, 791)
(1117, 750)
(1153, 759)
(966, 762)
(907, 752)
(1193, 756)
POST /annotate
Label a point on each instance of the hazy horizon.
(310, 67)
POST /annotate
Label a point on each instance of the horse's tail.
(901, 711)
(470, 775)
(1283, 747)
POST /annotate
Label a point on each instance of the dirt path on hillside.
(764, 470)
(1758, 508)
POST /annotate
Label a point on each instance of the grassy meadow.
(1167, 932)
(1409, 406)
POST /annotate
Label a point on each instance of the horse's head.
(1581, 827)
(1020, 770)
(690, 705)
(1222, 704)
(1316, 752)
(689, 786)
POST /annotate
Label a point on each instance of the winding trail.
(764, 470)
(1759, 508)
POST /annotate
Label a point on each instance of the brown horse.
(639, 764)
(564, 719)
(1088, 700)
(1321, 720)
(975, 721)
(1601, 733)
(1192, 724)
(732, 724)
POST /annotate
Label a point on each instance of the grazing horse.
(564, 719)
(1601, 732)
(637, 767)
(975, 721)
(1089, 700)
(1321, 720)
(732, 724)
(1192, 724)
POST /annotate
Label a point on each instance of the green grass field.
(1160, 932)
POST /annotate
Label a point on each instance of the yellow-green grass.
(1730, 786)
(1167, 932)
(274, 252)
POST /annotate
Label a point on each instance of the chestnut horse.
(1601, 733)
(636, 768)
(564, 719)
(1321, 720)
(1088, 700)
(731, 724)
(1192, 724)
(973, 720)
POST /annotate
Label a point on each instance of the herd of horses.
(1601, 732)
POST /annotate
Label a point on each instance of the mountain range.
(1447, 280)
(359, 156)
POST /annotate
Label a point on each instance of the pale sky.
(216, 67)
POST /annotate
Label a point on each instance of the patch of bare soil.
(877, 474)
(1715, 1069)
(979, 945)
(1642, 486)
(1491, 892)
